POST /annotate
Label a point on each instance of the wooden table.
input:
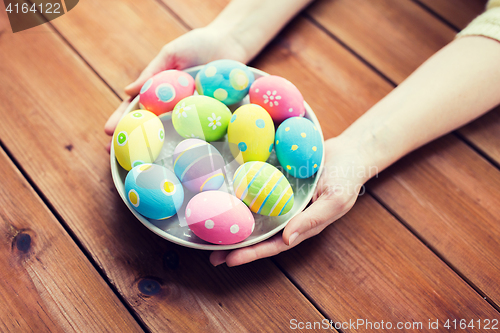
(421, 245)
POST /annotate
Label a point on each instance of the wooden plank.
(452, 201)
(47, 284)
(406, 35)
(348, 80)
(120, 38)
(199, 15)
(483, 134)
(56, 135)
(368, 266)
(358, 260)
(457, 12)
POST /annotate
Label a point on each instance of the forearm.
(456, 85)
(253, 23)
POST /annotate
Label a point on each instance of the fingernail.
(218, 263)
(129, 86)
(292, 238)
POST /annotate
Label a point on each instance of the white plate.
(175, 228)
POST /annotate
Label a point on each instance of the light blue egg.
(226, 80)
(154, 191)
(299, 147)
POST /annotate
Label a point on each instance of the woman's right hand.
(197, 47)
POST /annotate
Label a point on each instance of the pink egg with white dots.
(278, 96)
(163, 91)
(219, 218)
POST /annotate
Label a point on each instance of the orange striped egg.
(263, 188)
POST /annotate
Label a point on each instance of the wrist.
(364, 152)
(228, 43)
(347, 161)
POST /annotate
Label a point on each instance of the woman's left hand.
(340, 183)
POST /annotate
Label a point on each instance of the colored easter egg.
(278, 96)
(250, 134)
(154, 191)
(201, 117)
(226, 80)
(299, 147)
(163, 91)
(263, 188)
(138, 139)
(219, 217)
(198, 165)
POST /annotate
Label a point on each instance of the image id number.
(43, 8)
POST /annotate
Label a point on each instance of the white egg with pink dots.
(219, 218)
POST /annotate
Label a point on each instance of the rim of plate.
(209, 246)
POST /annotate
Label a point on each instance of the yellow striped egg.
(263, 188)
(250, 134)
(138, 139)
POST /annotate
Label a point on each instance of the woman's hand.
(338, 188)
(197, 47)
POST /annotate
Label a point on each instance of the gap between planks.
(364, 61)
(468, 143)
(433, 250)
(68, 229)
(460, 137)
(436, 15)
(72, 235)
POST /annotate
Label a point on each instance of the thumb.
(314, 219)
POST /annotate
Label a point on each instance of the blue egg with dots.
(154, 191)
(226, 80)
(299, 147)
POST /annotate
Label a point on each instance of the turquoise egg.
(299, 147)
(154, 191)
(225, 80)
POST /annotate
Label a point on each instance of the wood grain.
(457, 12)
(119, 38)
(405, 36)
(483, 134)
(303, 54)
(196, 14)
(394, 36)
(180, 279)
(46, 283)
(451, 201)
(56, 134)
(368, 266)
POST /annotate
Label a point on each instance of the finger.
(315, 218)
(264, 249)
(268, 248)
(112, 122)
(161, 62)
(218, 257)
(108, 147)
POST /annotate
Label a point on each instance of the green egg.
(201, 117)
